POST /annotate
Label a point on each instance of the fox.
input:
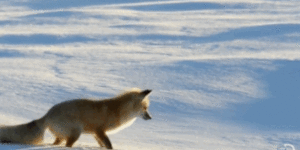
(69, 119)
(30, 133)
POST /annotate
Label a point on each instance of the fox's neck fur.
(124, 109)
(129, 123)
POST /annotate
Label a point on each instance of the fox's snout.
(147, 116)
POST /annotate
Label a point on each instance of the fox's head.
(131, 104)
(145, 104)
(140, 102)
(137, 103)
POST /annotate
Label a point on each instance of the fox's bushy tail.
(28, 133)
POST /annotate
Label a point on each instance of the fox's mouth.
(146, 116)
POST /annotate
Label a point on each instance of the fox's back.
(87, 114)
(74, 108)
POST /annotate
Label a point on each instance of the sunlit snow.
(225, 74)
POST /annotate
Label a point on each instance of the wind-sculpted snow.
(188, 6)
(224, 74)
(42, 39)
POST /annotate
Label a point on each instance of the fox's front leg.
(102, 139)
(99, 141)
(73, 137)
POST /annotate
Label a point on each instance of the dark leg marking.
(73, 138)
(104, 139)
(99, 141)
(57, 141)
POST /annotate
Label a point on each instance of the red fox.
(67, 120)
(29, 133)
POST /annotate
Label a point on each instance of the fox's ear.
(146, 92)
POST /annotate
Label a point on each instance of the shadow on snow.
(280, 109)
(10, 54)
(55, 4)
(43, 39)
(188, 6)
(38, 18)
(134, 27)
(63, 14)
(253, 32)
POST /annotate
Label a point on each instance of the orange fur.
(67, 120)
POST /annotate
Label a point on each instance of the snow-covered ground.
(225, 74)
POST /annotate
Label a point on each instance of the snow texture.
(225, 74)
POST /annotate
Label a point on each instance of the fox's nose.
(147, 116)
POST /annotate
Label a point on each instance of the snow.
(224, 74)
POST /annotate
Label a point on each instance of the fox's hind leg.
(102, 137)
(75, 134)
(59, 137)
(57, 141)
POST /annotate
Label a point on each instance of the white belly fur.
(127, 124)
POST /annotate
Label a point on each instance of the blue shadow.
(62, 14)
(134, 27)
(14, 146)
(280, 110)
(8, 22)
(131, 26)
(187, 6)
(43, 39)
(10, 54)
(29, 19)
(275, 31)
(57, 4)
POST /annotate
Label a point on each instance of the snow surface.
(225, 74)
